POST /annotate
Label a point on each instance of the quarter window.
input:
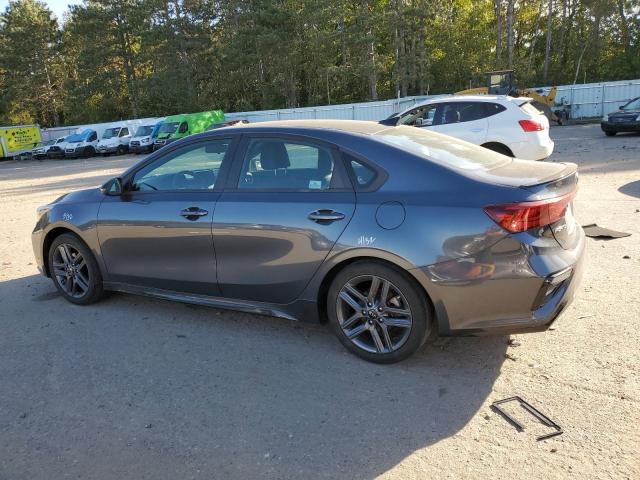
(362, 174)
(194, 167)
(284, 165)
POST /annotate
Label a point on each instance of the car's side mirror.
(621, 107)
(113, 187)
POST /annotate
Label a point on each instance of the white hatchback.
(508, 125)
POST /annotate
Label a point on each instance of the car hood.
(80, 196)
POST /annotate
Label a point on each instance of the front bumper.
(55, 154)
(607, 126)
(141, 148)
(158, 144)
(37, 237)
(74, 154)
(511, 287)
(101, 150)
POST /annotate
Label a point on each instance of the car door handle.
(193, 213)
(325, 216)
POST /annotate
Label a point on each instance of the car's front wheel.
(74, 270)
(378, 313)
(609, 133)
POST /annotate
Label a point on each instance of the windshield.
(168, 127)
(632, 105)
(442, 149)
(111, 132)
(144, 131)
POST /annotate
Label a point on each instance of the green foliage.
(114, 59)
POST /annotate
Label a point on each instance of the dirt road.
(148, 389)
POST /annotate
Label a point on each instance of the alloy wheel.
(374, 314)
(71, 270)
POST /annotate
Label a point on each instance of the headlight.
(41, 210)
(145, 140)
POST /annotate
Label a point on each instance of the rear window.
(530, 109)
(442, 149)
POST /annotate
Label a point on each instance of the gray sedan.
(385, 233)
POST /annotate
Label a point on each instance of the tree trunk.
(510, 34)
(372, 76)
(498, 10)
(532, 48)
(547, 49)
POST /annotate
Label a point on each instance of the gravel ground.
(148, 389)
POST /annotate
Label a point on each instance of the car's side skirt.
(297, 311)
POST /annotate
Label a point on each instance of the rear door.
(287, 203)
(463, 120)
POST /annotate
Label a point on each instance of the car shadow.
(138, 384)
(632, 189)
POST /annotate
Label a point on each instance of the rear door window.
(460, 112)
(275, 164)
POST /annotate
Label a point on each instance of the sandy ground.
(147, 389)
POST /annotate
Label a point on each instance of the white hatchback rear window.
(530, 109)
(442, 149)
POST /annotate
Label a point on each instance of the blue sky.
(57, 6)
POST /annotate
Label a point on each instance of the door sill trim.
(259, 308)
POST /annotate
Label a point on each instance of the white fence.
(591, 100)
(349, 111)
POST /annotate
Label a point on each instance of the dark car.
(627, 119)
(384, 232)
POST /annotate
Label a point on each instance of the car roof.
(503, 99)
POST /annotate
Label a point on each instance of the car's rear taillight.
(531, 125)
(523, 216)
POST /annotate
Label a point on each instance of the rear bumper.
(533, 150)
(510, 288)
(620, 126)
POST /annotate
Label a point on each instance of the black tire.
(499, 148)
(121, 150)
(89, 152)
(89, 270)
(410, 293)
(609, 133)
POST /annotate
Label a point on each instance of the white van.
(142, 140)
(115, 139)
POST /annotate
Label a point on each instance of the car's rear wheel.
(378, 313)
(609, 133)
(74, 270)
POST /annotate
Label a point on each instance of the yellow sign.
(20, 138)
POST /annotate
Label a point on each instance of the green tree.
(29, 64)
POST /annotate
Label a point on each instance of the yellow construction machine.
(501, 83)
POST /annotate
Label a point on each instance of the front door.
(158, 233)
(288, 204)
